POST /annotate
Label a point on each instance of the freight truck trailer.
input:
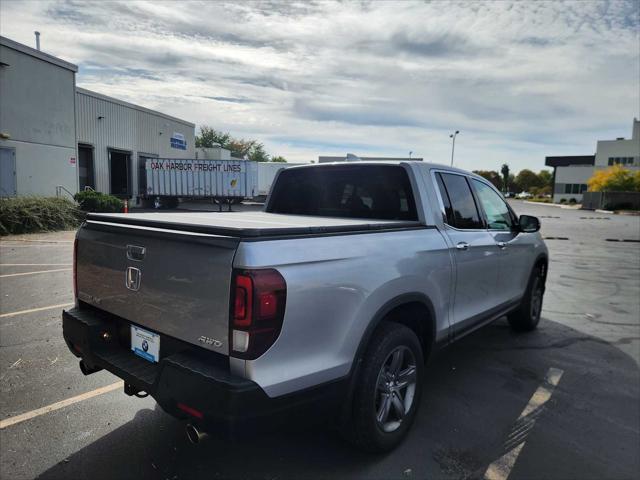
(223, 181)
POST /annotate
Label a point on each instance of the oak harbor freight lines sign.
(200, 178)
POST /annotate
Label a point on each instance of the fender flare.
(377, 318)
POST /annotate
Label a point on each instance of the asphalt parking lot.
(582, 366)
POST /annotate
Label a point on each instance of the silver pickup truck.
(329, 300)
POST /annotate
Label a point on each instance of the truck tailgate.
(173, 283)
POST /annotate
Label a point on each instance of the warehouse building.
(571, 173)
(37, 122)
(115, 139)
(55, 137)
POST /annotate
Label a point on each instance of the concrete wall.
(106, 123)
(37, 94)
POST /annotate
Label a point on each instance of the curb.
(604, 211)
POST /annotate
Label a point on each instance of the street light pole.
(453, 143)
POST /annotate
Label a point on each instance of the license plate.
(145, 344)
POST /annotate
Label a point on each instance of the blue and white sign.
(145, 344)
(178, 141)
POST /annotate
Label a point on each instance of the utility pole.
(453, 143)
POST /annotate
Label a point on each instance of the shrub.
(572, 201)
(563, 200)
(37, 214)
(91, 201)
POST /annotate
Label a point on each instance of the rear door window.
(463, 210)
(381, 192)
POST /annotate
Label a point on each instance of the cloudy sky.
(520, 80)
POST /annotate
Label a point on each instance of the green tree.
(527, 179)
(505, 177)
(239, 147)
(492, 176)
(258, 153)
(546, 178)
(210, 138)
(279, 159)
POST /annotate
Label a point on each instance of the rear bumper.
(187, 375)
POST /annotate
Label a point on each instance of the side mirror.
(528, 224)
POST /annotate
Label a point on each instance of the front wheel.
(527, 316)
(387, 394)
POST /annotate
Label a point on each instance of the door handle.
(502, 245)
(462, 246)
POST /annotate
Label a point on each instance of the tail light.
(75, 269)
(257, 311)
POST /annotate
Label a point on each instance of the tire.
(383, 410)
(527, 316)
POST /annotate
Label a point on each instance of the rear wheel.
(387, 394)
(527, 316)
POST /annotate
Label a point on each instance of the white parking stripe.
(501, 468)
(58, 405)
(33, 273)
(31, 310)
(36, 264)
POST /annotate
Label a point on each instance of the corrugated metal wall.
(127, 128)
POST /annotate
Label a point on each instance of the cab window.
(495, 208)
(460, 207)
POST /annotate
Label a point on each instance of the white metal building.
(56, 137)
(115, 138)
(571, 173)
(37, 122)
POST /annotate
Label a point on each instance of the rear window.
(352, 191)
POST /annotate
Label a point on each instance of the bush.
(573, 201)
(37, 214)
(563, 200)
(91, 201)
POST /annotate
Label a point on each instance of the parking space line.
(501, 468)
(34, 273)
(36, 264)
(58, 405)
(34, 245)
(36, 241)
(31, 310)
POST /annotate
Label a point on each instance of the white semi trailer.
(224, 181)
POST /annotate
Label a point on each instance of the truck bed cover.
(249, 224)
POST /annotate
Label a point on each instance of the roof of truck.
(417, 163)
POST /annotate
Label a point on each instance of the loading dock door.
(85, 167)
(7, 172)
(120, 173)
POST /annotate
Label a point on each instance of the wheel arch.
(417, 303)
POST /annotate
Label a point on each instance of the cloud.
(520, 80)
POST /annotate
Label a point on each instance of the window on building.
(610, 160)
(567, 188)
(583, 188)
(575, 188)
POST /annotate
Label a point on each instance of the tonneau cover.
(249, 224)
